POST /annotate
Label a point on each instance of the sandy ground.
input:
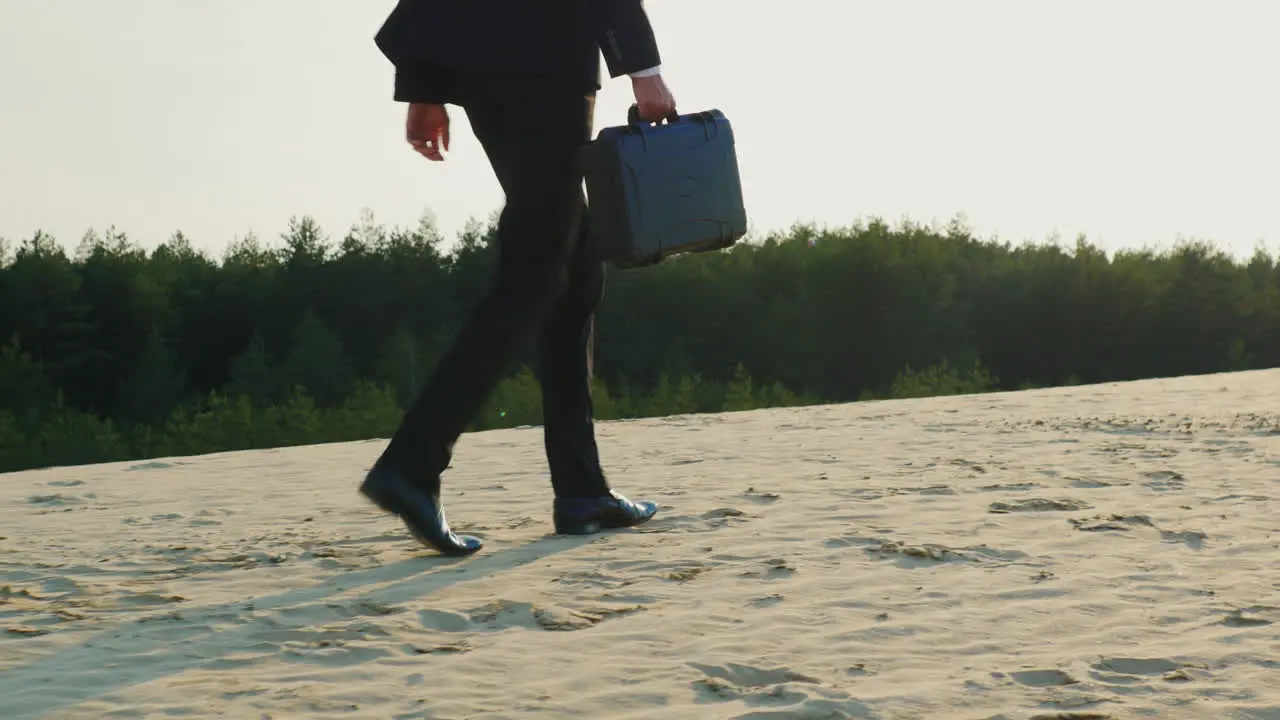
(1091, 552)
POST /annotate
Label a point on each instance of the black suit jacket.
(434, 43)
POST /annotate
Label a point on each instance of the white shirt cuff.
(648, 72)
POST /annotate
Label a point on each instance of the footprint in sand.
(1093, 483)
(1236, 497)
(707, 522)
(36, 612)
(1190, 538)
(54, 500)
(802, 695)
(507, 614)
(760, 498)
(333, 648)
(1125, 523)
(861, 494)
(969, 464)
(746, 676)
(591, 578)
(927, 490)
(453, 648)
(894, 549)
(1010, 487)
(772, 569)
(767, 600)
(926, 554)
(1113, 522)
(687, 572)
(1039, 505)
(1129, 671)
(1043, 678)
(1253, 616)
(1165, 480)
(674, 571)
(916, 555)
(722, 513)
(562, 619)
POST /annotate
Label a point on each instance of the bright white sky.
(1135, 122)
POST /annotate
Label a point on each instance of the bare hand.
(427, 129)
(653, 100)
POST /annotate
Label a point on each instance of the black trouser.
(547, 288)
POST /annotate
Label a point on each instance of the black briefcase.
(657, 190)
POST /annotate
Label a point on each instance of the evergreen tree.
(739, 395)
(404, 366)
(25, 391)
(155, 387)
(252, 375)
(317, 362)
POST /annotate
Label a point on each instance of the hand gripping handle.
(633, 116)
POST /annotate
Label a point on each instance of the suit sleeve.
(416, 83)
(626, 37)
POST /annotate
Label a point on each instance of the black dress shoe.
(420, 510)
(583, 516)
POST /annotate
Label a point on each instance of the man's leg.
(566, 338)
(566, 354)
(537, 230)
(583, 501)
(534, 136)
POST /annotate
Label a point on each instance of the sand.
(1090, 552)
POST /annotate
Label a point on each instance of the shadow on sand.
(62, 680)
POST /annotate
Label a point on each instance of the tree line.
(113, 353)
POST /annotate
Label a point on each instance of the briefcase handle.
(633, 116)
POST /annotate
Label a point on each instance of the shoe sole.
(596, 526)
